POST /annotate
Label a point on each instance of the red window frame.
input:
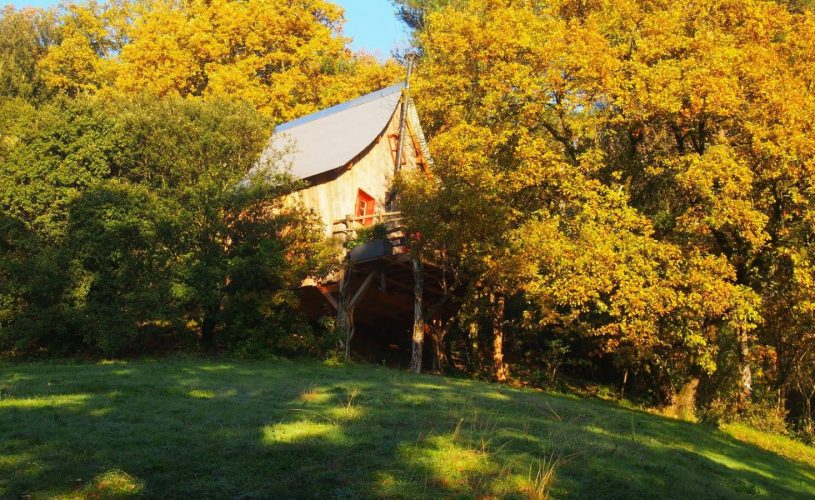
(366, 205)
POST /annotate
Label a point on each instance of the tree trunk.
(208, 331)
(437, 355)
(472, 360)
(683, 405)
(498, 306)
(745, 375)
(438, 331)
(208, 324)
(622, 386)
(418, 317)
(448, 351)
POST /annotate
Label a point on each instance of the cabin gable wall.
(372, 172)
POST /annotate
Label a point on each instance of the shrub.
(367, 234)
(119, 243)
(33, 280)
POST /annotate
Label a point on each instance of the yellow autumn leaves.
(285, 58)
(639, 171)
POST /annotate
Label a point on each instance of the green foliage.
(414, 12)
(267, 258)
(122, 169)
(367, 234)
(24, 38)
(129, 223)
(120, 245)
(186, 147)
(51, 154)
(33, 278)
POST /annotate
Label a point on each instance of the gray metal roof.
(331, 138)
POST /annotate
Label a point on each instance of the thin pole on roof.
(403, 116)
(402, 123)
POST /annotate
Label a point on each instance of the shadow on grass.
(304, 430)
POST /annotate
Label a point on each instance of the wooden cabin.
(348, 155)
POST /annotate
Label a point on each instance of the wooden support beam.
(330, 298)
(362, 217)
(398, 285)
(401, 285)
(345, 305)
(362, 289)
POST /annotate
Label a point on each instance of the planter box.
(370, 251)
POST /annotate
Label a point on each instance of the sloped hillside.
(191, 428)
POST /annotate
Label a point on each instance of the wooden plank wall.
(373, 173)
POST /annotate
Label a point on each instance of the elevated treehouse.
(349, 155)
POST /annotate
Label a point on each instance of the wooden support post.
(347, 303)
(418, 317)
(330, 298)
(350, 233)
(345, 328)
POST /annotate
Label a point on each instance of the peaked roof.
(331, 138)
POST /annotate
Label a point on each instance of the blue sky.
(371, 23)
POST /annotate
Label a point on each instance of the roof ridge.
(341, 107)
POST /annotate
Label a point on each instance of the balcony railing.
(395, 241)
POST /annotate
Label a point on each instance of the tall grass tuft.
(309, 394)
(113, 484)
(540, 485)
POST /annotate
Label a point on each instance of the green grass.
(204, 429)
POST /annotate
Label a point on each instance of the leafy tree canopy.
(285, 58)
(641, 172)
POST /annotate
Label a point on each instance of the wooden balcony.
(374, 294)
(387, 231)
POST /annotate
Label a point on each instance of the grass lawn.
(209, 429)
